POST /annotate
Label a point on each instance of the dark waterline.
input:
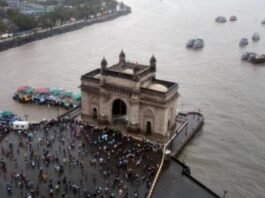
(229, 152)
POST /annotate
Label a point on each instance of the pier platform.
(192, 122)
(176, 177)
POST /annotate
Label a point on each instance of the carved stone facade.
(131, 92)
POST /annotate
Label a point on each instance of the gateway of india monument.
(129, 94)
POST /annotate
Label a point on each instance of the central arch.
(119, 107)
(119, 111)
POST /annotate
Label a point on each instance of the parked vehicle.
(20, 125)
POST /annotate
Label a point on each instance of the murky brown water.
(229, 152)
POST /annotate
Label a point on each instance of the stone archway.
(119, 111)
(148, 129)
(94, 113)
(119, 107)
(148, 121)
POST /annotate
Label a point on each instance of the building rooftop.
(158, 87)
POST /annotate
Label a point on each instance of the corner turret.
(153, 63)
(104, 64)
(122, 57)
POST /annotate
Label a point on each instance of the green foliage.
(2, 13)
(78, 9)
(3, 3)
(23, 22)
(3, 27)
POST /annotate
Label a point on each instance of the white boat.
(220, 19)
(190, 43)
(248, 56)
(255, 36)
(243, 42)
(198, 43)
(195, 43)
(233, 18)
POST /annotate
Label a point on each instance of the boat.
(75, 100)
(258, 59)
(220, 19)
(39, 96)
(198, 43)
(190, 43)
(253, 57)
(195, 43)
(263, 21)
(64, 101)
(23, 94)
(243, 42)
(248, 56)
(55, 96)
(255, 36)
(233, 18)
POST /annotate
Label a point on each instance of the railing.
(72, 112)
(163, 160)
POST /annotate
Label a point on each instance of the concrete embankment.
(33, 36)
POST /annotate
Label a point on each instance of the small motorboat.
(253, 57)
(54, 97)
(248, 56)
(195, 43)
(255, 36)
(263, 22)
(23, 94)
(220, 19)
(39, 96)
(258, 59)
(198, 43)
(190, 43)
(243, 42)
(233, 18)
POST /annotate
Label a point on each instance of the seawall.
(41, 34)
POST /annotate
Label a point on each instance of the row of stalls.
(56, 97)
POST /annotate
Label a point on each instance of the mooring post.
(225, 192)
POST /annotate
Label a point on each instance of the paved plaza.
(67, 158)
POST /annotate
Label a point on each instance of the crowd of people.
(68, 158)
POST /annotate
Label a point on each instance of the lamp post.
(57, 112)
(26, 116)
(225, 192)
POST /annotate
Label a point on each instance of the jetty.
(173, 174)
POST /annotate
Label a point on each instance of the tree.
(3, 27)
(2, 13)
(23, 22)
(3, 3)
